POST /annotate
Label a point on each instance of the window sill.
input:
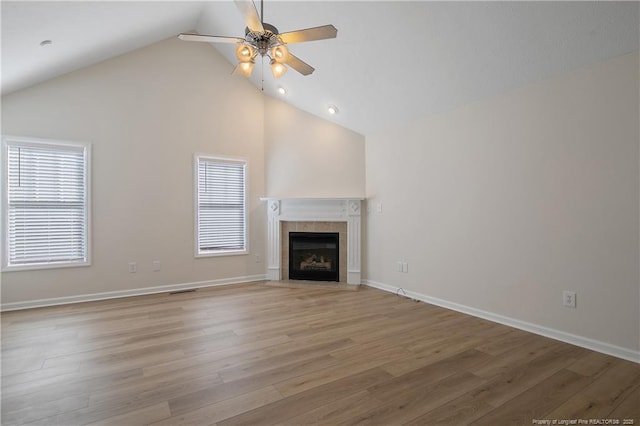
(222, 253)
(39, 266)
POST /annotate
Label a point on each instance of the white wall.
(146, 113)
(310, 157)
(503, 204)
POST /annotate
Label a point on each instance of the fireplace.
(314, 256)
(341, 215)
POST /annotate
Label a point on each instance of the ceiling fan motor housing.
(263, 41)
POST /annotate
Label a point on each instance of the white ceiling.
(392, 61)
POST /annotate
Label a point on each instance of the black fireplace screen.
(314, 256)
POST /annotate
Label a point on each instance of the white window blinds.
(221, 206)
(46, 204)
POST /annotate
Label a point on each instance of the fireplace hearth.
(314, 256)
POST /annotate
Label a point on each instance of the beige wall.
(146, 113)
(503, 204)
(310, 157)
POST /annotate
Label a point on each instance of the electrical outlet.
(569, 299)
(402, 266)
(258, 260)
(133, 267)
(155, 265)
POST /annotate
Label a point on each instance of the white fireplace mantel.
(314, 210)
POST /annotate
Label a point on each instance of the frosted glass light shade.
(277, 69)
(246, 68)
(280, 53)
(244, 52)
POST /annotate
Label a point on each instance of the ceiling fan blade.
(310, 34)
(250, 14)
(210, 38)
(299, 65)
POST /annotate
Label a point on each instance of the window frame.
(7, 141)
(196, 210)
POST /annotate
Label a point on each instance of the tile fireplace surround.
(313, 214)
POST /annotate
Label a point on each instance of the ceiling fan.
(264, 39)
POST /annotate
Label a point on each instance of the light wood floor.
(255, 354)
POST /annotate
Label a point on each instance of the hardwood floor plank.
(295, 405)
(236, 352)
(213, 413)
(22, 364)
(217, 393)
(532, 348)
(538, 401)
(518, 378)
(629, 408)
(125, 349)
(29, 381)
(131, 397)
(443, 351)
(118, 401)
(336, 412)
(510, 341)
(269, 363)
(592, 364)
(341, 370)
(416, 401)
(142, 416)
(68, 386)
(603, 395)
(459, 411)
(429, 374)
(38, 411)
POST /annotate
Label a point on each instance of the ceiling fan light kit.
(264, 39)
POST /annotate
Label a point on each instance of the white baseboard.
(595, 345)
(127, 293)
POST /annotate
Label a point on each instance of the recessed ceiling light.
(333, 110)
(45, 42)
(282, 90)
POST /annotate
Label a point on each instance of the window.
(46, 203)
(221, 220)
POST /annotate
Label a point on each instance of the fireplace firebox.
(314, 256)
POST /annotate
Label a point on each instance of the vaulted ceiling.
(391, 61)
